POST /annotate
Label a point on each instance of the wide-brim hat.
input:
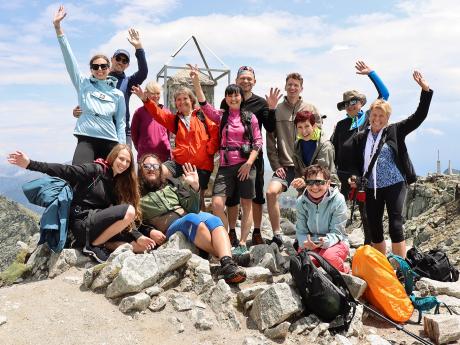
(348, 96)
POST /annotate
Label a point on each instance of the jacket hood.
(110, 81)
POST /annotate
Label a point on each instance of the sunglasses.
(315, 182)
(153, 166)
(351, 102)
(102, 66)
(124, 61)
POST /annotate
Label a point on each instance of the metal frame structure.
(163, 73)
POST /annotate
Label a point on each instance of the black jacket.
(395, 138)
(341, 135)
(93, 185)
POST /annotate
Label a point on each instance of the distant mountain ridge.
(11, 180)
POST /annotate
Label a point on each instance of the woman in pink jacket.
(147, 134)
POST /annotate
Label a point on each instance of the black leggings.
(96, 221)
(393, 197)
(88, 149)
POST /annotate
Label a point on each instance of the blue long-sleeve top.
(102, 104)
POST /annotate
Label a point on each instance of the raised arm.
(415, 120)
(363, 69)
(163, 117)
(142, 70)
(195, 76)
(69, 58)
(58, 17)
(71, 173)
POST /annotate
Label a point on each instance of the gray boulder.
(250, 293)
(178, 241)
(138, 302)
(60, 262)
(181, 303)
(287, 227)
(275, 305)
(158, 303)
(220, 299)
(278, 332)
(258, 274)
(144, 270)
(434, 287)
(356, 285)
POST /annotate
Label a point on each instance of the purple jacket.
(149, 136)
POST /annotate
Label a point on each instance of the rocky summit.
(175, 285)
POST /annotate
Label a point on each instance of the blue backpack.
(421, 304)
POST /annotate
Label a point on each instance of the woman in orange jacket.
(197, 137)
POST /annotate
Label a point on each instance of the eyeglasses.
(351, 102)
(312, 183)
(124, 61)
(246, 68)
(153, 166)
(102, 66)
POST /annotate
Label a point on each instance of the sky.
(322, 40)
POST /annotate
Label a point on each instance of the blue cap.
(121, 51)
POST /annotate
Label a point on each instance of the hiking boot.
(233, 239)
(278, 240)
(257, 238)
(233, 274)
(242, 260)
(239, 250)
(99, 254)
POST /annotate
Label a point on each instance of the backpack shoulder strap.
(124, 85)
(409, 275)
(334, 273)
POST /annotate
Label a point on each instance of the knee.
(272, 193)
(218, 204)
(130, 214)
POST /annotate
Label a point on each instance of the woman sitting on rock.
(173, 205)
(105, 201)
(321, 218)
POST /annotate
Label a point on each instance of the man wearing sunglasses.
(119, 63)
(356, 120)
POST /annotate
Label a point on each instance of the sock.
(225, 260)
(256, 231)
(231, 230)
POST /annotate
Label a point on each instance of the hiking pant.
(88, 149)
(335, 255)
(393, 197)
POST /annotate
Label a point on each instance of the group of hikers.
(113, 204)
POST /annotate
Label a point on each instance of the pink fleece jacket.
(235, 134)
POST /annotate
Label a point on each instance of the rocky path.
(59, 311)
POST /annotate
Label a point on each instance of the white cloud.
(433, 131)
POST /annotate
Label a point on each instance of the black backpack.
(325, 295)
(433, 265)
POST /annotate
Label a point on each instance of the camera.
(245, 150)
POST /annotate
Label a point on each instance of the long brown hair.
(143, 185)
(126, 186)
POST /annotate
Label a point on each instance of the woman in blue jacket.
(102, 123)
(321, 218)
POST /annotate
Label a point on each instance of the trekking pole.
(396, 325)
(350, 221)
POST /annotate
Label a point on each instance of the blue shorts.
(189, 223)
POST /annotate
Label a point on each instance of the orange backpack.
(384, 291)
